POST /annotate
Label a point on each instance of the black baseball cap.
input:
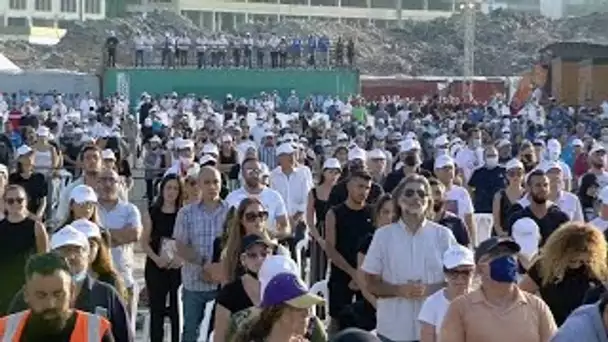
(354, 335)
(490, 245)
(253, 239)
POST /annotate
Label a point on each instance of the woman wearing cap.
(251, 218)
(572, 261)
(315, 216)
(244, 292)
(458, 267)
(284, 315)
(46, 156)
(588, 194)
(163, 270)
(83, 207)
(506, 198)
(20, 237)
(34, 183)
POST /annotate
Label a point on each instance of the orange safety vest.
(88, 328)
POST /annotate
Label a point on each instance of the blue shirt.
(312, 42)
(487, 182)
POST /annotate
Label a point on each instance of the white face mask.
(492, 162)
(553, 155)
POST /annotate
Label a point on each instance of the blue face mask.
(504, 269)
(79, 277)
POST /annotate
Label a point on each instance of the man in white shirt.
(251, 176)
(601, 221)
(457, 198)
(183, 47)
(139, 46)
(568, 202)
(293, 183)
(597, 164)
(201, 48)
(404, 262)
(470, 157)
(554, 152)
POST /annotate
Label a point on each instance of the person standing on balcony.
(312, 47)
(139, 46)
(111, 44)
(183, 47)
(296, 51)
(201, 47)
(274, 43)
(247, 49)
(168, 50)
(260, 46)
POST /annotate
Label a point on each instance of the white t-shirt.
(599, 223)
(458, 201)
(469, 160)
(271, 199)
(433, 310)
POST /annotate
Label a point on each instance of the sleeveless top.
(162, 227)
(17, 244)
(320, 208)
(506, 207)
(351, 227)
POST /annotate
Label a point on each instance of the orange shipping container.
(564, 80)
(593, 81)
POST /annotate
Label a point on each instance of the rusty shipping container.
(374, 88)
(593, 81)
(564, 80)
(483, 90)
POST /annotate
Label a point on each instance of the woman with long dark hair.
(83, 207)
(34, 183)
(163, 268)
(587, 193)
(315, 216)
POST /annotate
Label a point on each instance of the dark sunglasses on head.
(17, 200)
(262, 215)
(411, 192)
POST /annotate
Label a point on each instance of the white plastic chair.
(484, 224)
(300, 248)
(320, 288)
(204, 328)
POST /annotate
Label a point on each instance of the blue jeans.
(194, 303)
(386, 339)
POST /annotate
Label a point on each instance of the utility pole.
(469, 13)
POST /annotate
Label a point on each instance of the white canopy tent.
(6, 65)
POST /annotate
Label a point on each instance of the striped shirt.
(197, 227)
(268, 156)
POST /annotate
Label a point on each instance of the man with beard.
(547, 215)
(356, 162)
(49, 290)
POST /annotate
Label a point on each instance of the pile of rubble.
(506, 42)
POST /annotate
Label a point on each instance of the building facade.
(228, 14)
(49, 13)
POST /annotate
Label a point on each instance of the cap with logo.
(251, 240)
(443, 161)
(273, 265)
(458, 255)
(288, 288)
(526, 233)
(83, 194)
(69, 236)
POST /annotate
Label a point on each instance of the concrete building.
(49, 13)
(228, 14)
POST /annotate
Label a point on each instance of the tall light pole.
(469, 12)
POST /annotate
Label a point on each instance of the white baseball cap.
(273, 265)
(211, 149)
(285, 148)
(332, 163)
(409, 144)
(69, 236)
(82, 194)
(526, 233)
(514, 164)
(23, 150)
(357, 153)
(377, 154)
(108, 154)
(207, 159)
(443, 161)
(458, 255)
(88, 228)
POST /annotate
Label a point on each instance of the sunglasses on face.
(409, 193)
(459, 274)
(252, 216)
(13, 200)
(254, 255)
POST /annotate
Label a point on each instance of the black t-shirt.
(35, 186)
(394, 178)
(31, 333)
(364, 243)
(566, 295)
(339, 194)
(554, 218)
(234, 297)
(457, 226)
(487, 182)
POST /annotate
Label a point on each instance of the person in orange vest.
(49, 291)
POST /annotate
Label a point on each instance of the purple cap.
(287, 288)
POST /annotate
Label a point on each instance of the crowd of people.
(420, 220)
(263, 50)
